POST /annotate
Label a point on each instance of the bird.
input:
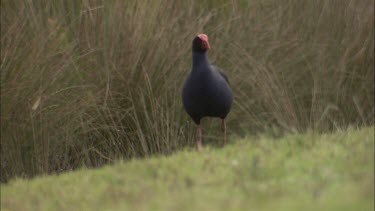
(206, 91)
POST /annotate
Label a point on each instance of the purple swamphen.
(206, 92)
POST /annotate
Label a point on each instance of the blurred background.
(86, 82)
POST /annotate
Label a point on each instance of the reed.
(86, 82)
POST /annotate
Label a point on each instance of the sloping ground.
(297, 172)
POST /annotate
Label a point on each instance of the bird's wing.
(221, 73)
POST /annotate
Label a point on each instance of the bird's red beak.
(204, 39)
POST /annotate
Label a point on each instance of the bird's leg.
(224, 130)
(199, 137)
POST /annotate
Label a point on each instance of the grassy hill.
(296, 172)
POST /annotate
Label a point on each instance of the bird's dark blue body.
(206, 91)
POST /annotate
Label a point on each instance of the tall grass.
(86, 82)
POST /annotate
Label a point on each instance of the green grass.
(296, 172)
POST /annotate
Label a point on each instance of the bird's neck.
(200, 59)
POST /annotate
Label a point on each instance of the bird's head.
(200, 43)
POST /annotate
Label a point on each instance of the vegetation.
(296, 172)
(86, 82)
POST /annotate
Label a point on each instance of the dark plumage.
(206, 92)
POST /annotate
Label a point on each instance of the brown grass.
(86, 82)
